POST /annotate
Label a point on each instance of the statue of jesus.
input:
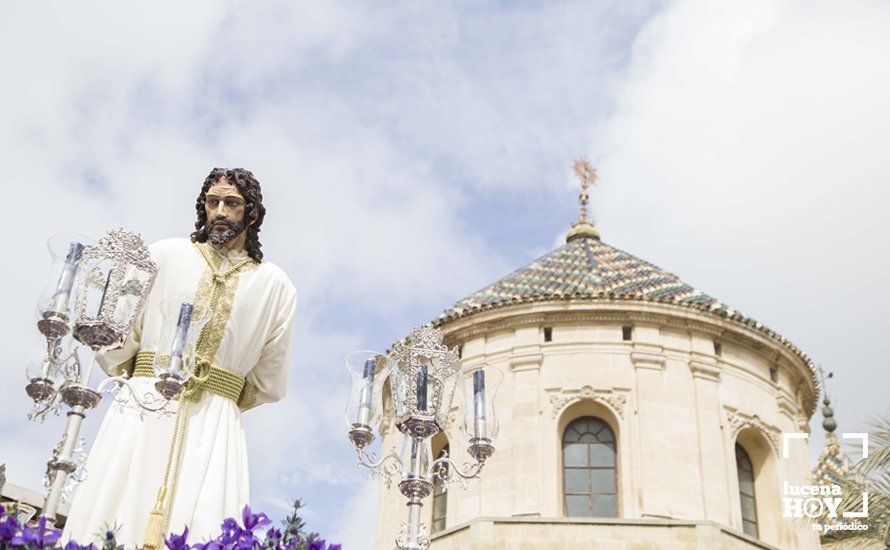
(245, 351)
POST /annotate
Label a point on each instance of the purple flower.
(38, 536)
(230, 532)
(74, 546)
(9, 526)
(177, 542)
(243, 535)
(253, 521)
(247, 542)
(273, 538)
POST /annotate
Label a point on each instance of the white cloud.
(359, 522)
(747, 152)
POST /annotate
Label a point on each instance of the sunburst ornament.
(586, 174)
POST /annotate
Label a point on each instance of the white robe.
(127, 461)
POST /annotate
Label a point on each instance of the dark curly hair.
(254, 211)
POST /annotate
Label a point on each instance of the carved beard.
(219, 237)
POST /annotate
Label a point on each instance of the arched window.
(440, 500)
(589, 476)
(746, 490)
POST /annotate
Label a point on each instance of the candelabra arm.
(148, 402)
(448, 471)
(40, 411)
(70, 369)
(119, 381)
(387, 467)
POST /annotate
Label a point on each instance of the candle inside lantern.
(179, 337)
(66, 279)
(47, 361)
(479, 404)
(104, 293)
(415, 465)
(364, 410)
(421, 387)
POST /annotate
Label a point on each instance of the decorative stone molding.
(737, 421)
(705, 371)
(644, 360)
(529, 361)
(615, 398)
(787, 405)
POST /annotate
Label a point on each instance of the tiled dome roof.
(588, 269)
(585, 268)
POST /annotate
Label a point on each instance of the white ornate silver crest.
(118, 277)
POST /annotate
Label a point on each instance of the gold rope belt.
(206, 377)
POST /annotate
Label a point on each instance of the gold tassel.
(154, 535)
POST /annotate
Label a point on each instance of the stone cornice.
(786, 404)
(529, 361)
(628, 311)
(705, 371)
(644, 360)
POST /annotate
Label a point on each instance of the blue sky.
(411, 154)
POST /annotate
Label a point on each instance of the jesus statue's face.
(225, 213)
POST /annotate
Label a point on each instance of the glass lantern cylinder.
(480, 422)
(176, 359)
(47, 360)
(416, 457)
(368, 371)
(54, 305)
(46, 370)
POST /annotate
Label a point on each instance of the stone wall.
(583, 534)
(676, 405)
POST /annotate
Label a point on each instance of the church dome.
(586, 269)
(680, 400)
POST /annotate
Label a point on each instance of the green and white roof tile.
(584, 269)
(587, 269)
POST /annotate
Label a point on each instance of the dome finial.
(828, 421)
(586, 174)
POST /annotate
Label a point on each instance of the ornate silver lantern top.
(423, 375)
(117, 275)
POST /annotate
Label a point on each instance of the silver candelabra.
(99, 290)
(422, 374)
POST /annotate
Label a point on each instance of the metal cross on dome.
(586, 174)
